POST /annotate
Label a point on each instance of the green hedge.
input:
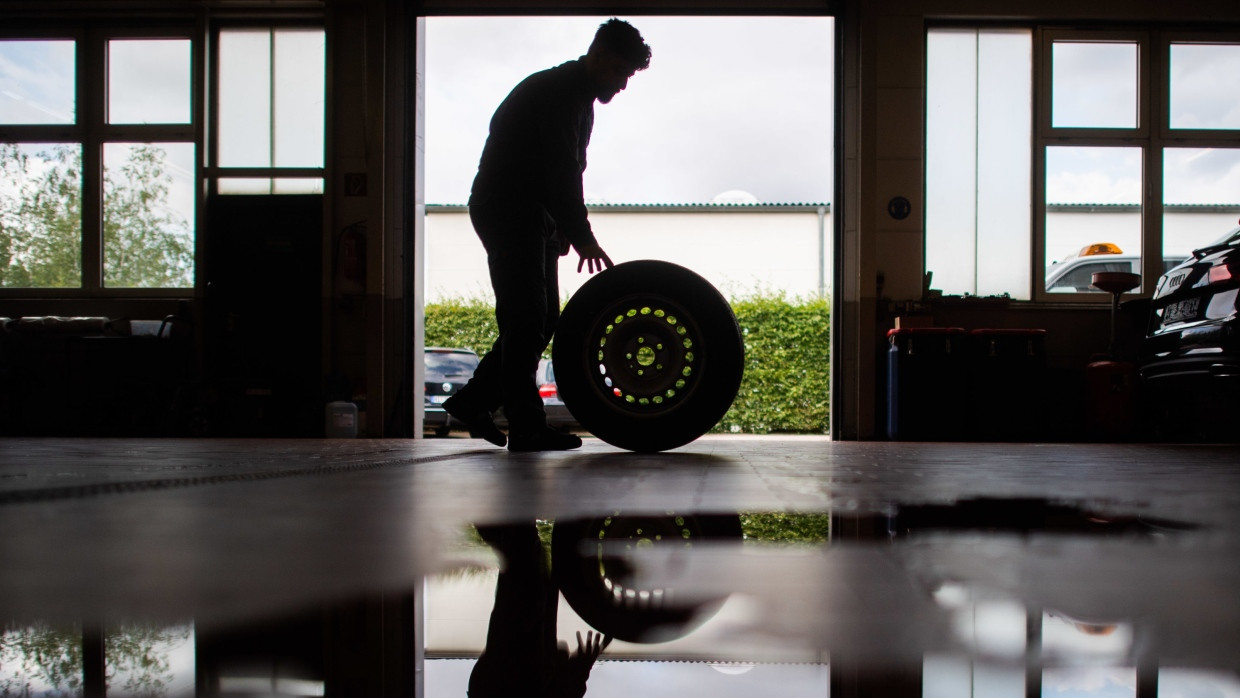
(467, 323)
(786, 384)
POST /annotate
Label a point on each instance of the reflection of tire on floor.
(648, 356)
(588, 561)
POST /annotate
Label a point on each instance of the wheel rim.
(668, 535)
(647, 355)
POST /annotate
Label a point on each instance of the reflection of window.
(271, 110)
(1152, 168)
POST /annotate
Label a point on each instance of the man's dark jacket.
(536, 151)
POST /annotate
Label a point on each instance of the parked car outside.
(558, 416)
(447, 371)
(1074, 273)
(1190, 357)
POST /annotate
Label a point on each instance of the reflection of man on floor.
(522, 656)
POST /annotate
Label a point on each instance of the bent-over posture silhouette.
(528, 208)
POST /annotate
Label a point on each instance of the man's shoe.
(478, 421)
(545, 440)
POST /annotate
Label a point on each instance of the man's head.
(617, 52)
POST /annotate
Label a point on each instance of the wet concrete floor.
(771, 565)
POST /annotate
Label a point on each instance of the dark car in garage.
(1190, 357)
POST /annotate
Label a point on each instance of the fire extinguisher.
(351, 253)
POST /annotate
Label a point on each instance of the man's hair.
(622, 40)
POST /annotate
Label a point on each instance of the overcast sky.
(727, 104)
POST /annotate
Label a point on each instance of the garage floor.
(964, 560)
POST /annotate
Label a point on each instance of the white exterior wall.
(742, 251)
(737, 251)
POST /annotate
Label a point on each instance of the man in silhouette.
(528, 208)
(523, 656)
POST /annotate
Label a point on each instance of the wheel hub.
(647, 354)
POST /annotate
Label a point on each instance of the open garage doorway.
(717, 158)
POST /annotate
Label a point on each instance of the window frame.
(1046, 135)
(1188, 138)
(212, 172)
(92, 131)
(1153, 135)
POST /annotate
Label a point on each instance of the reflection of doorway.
(715, 158)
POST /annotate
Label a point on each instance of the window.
(978, 121)
(101, 147)
(1098, 104)
(271, 111)
(97, 147)
(37, 80)
(1150, 168)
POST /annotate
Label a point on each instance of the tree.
(41, 218)
(147, 244)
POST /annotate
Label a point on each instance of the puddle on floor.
(988, 597)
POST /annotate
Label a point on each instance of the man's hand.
(594, 257)
(588, 650)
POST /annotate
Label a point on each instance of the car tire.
(648, 356)
(589, 566)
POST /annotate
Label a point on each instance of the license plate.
(438, 399)
(1181, 311)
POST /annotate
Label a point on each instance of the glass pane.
(148, 215)
(149, 81)
(1094, 85)
(41, 660)
(1108, 682)
(272, 98)
(1173, 681)
(150, 660)
(1201, 198)
(243, 185)
(1093, 214)
(1205, 79)
(40, 215)
(245, 99)
(299, 95)
(37, 81)
(264, 185)
(978, 161)
(303, 185)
